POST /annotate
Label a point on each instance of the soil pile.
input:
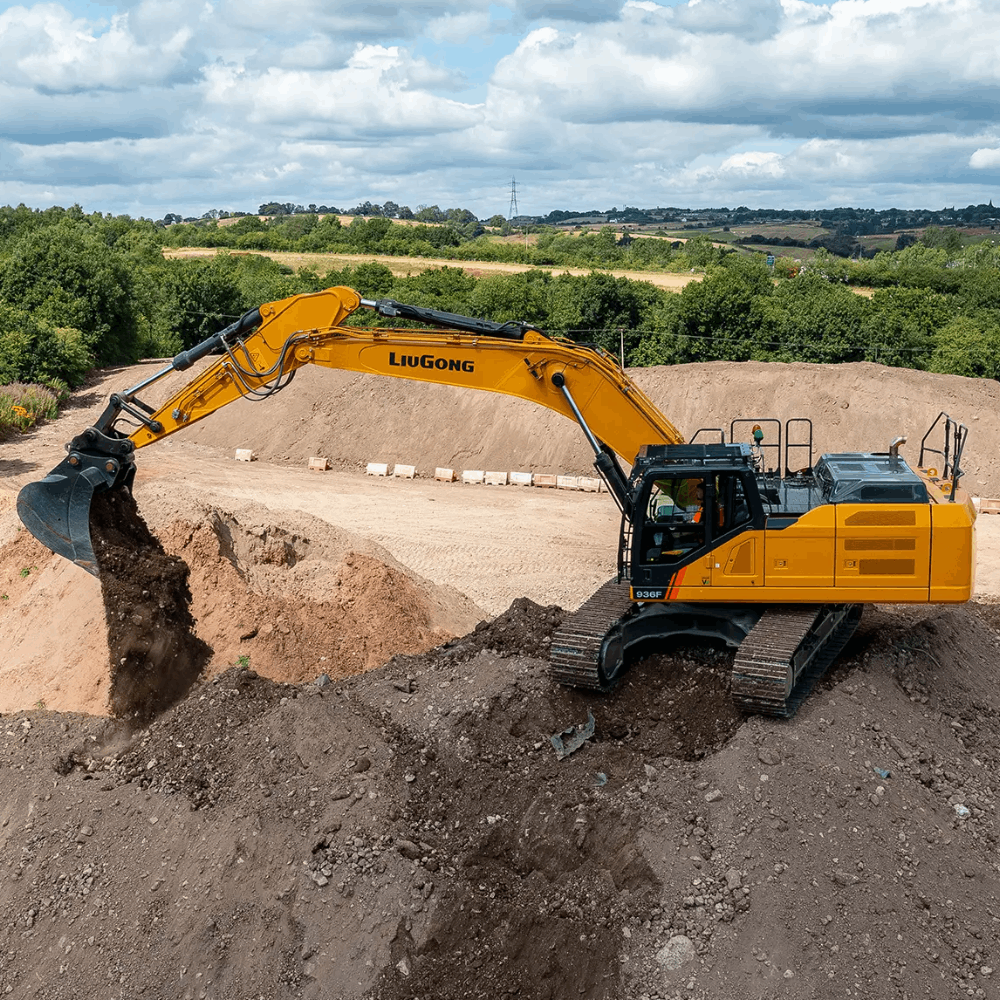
(354, 419)
(410, 832)
(295, 601)
(369, 610)
(154, 654)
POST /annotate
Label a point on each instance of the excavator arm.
(263, 350)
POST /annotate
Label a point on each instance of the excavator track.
(786, 652)
(575, 653)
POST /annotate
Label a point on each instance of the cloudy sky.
(182, 106)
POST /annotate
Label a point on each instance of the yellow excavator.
(720, 540)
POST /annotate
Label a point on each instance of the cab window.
(681, 511)
(674, 523)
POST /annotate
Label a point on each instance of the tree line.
(78, 290)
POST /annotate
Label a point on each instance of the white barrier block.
(319, 464)
(404, 471)
(445, 475)
(496, 478)
(590, 483)
(246, 455)
(568, 482)
(520, 479)
(547, 482)
(473, 476)
(377, 469)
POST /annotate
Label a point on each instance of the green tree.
(599, 308)
(810, 319)
(964, 347)
(900, 325)
(32, 350)
(721, 317)
(370, 280)
(520, 297)
(68, 276)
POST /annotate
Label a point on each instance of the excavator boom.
(264, 349)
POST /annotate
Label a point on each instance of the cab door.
(737, 551)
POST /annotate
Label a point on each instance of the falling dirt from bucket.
(155, 655)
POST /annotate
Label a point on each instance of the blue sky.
(159, 106)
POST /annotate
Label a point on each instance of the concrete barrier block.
(377, 469)
(520, 479)
(568, 482)
(546, 482)
(445, 475)
(590, 483)
(473, 476)
(246, 455)
(496, 478)
(404, 471)
(319, 464)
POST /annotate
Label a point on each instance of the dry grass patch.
(404, 267)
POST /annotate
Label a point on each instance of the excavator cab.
(688, 500)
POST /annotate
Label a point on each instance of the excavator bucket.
(56, 509)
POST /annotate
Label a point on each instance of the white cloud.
(459, 27)
(792, 67)
(402, 19)
(985, 158)
(44, 48)
(753, 165)
(378, 92)
(601, 103)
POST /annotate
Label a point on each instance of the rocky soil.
(411, 832)
(360, 796)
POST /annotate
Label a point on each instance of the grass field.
(795, 253)
(804, 231)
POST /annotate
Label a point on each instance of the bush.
(68, 276)
(966, 348)
(32, 350)
(22, 406)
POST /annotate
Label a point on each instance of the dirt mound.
(154, 654)
(366, 838)
(354, 419)
(524, 629)
(295, 601)
(372, 610)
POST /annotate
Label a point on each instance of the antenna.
(512, 211)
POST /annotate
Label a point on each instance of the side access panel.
(884, 549)
(799, 553)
